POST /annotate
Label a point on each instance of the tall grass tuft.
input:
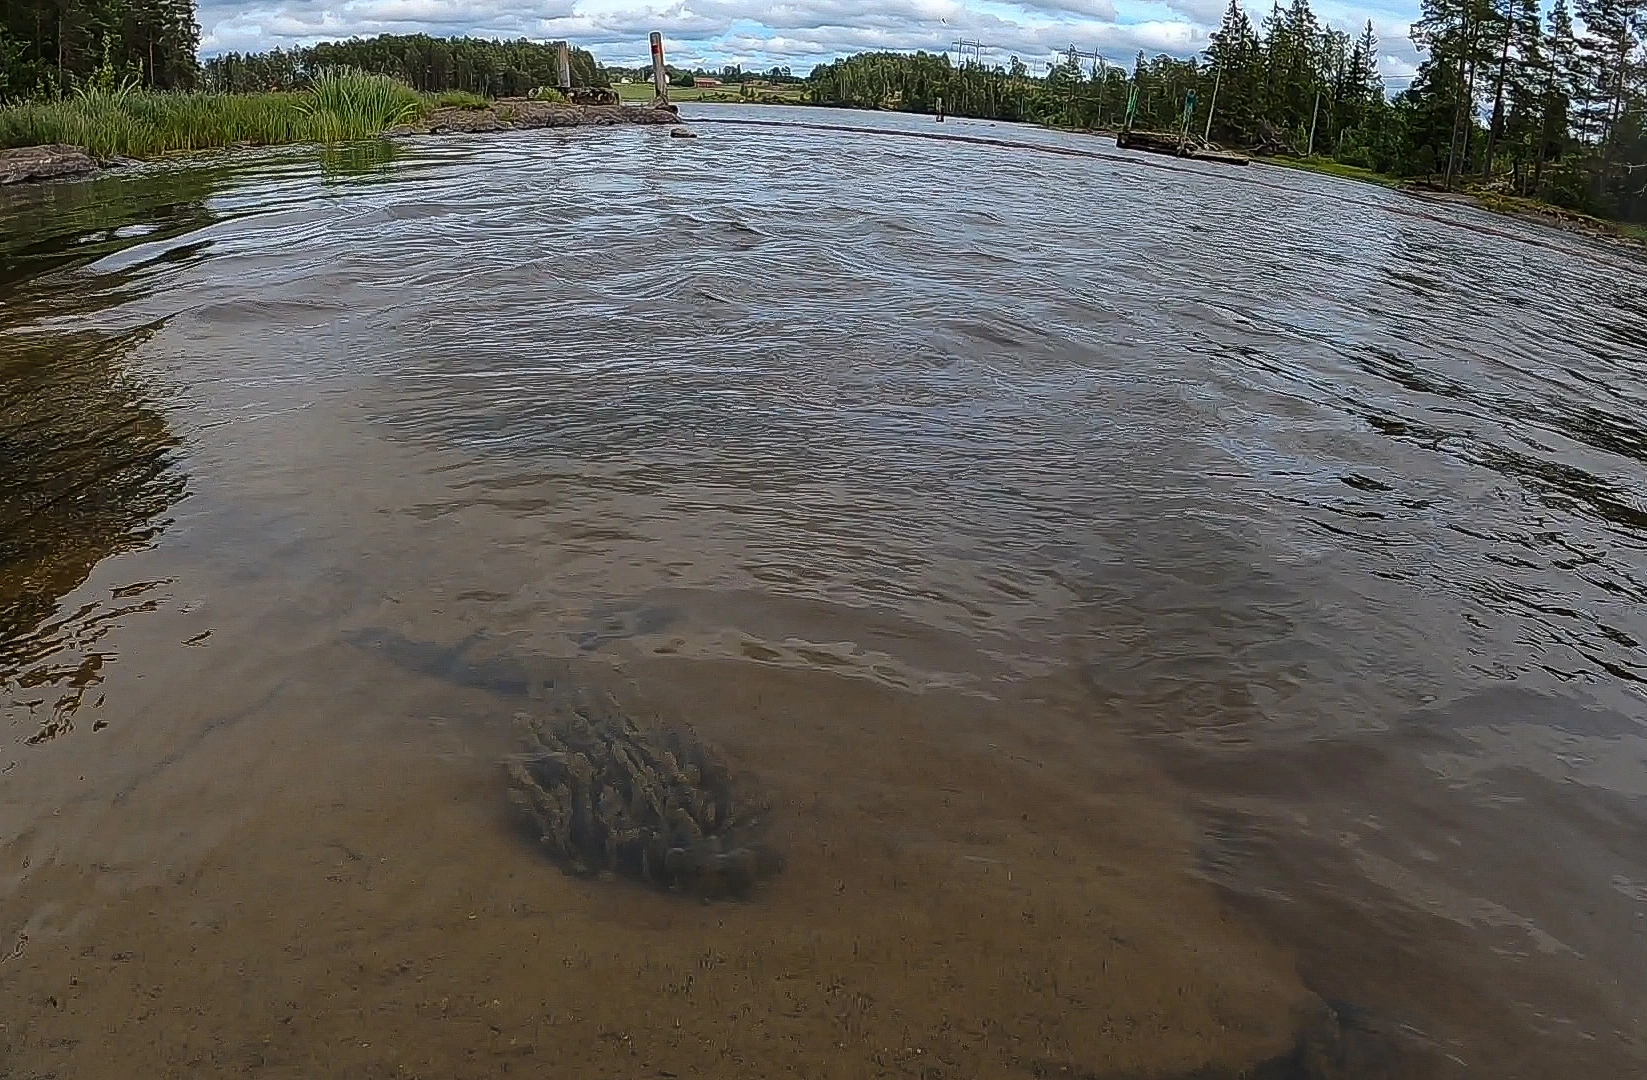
(124, 121)
(343, 104)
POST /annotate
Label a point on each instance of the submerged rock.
(606, 795)
(53, 162)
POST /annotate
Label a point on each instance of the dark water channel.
(1190, 620)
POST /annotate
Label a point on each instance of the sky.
(797, 33)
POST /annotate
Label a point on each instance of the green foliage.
(1340, 168)
(460, 99)
(49, 47)
(130, 122)
(547, 93)
(918, 82)
(341, 104)
(780, 75)
(431, 65)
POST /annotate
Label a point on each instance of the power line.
(962, 46)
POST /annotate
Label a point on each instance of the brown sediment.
(320, 874)
(972, 889)
(517, 114)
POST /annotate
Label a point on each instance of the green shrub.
(460, 99)
(344, 104)
(547, 93)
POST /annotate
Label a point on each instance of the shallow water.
(1186, 618)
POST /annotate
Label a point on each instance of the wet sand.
(964, 896)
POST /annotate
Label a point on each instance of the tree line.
(48, 47)
(684, 77)
(1543, 105)
(430, 64)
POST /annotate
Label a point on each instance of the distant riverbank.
(110, 123)
(724, 94)
(1536, 211)
(80, 135)
(1533, 210)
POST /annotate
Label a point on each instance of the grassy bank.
(1572, 220)
(1511, 205)
(1329, 167)
(127, 122)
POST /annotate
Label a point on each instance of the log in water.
(1185, 146)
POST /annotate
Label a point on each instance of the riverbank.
(57, 161)
(76, 153)
(1625, 233)
(128, 122)
(512, 114)
(1328, 167)
(79, 135)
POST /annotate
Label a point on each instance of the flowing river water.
(1189, 621)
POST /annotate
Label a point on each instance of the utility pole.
(1074, 80)
(1212, 102)
(1313, 114)
(1075, 58)
(1102, 73)
(1189, 113)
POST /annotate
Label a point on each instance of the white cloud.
(762, 32)
(1097, 9)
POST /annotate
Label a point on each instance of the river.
(1189, 621)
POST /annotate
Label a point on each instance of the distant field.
(638, 92)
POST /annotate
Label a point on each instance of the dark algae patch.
(655, 804)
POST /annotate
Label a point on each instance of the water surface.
(1188, 618)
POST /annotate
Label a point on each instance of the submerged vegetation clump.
(607, 796)
(338, 105)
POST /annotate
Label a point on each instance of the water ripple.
(1285, 466)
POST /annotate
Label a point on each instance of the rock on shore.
(54, 162)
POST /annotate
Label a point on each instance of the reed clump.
(339, 105)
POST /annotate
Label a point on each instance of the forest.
(1509, 98)
(429, 64)
(49, 47)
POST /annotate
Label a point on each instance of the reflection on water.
(48, 226)
(1190, 622)
(358, 159)
(89, 473)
